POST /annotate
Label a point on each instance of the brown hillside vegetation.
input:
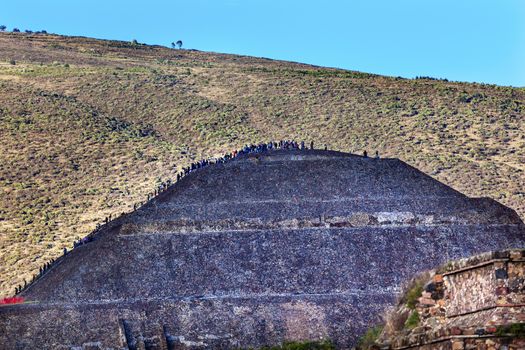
(89, 127)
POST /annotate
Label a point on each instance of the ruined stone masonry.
(282, 245)
(473, 303)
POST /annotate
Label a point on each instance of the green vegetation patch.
(515, 330)
(413, 294)
(412, 320)
(370, 337)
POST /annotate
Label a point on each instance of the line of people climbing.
(248, 149)
(259, 148)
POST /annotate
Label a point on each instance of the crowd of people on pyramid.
(248, 149)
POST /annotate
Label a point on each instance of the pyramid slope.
(285, 245)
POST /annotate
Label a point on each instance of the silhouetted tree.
(16, 30)
(28, 31)
(173, 45)
(179, 43)
(2, 28)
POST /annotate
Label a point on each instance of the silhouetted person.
(377, 154)
(365, 154)
(311, 145)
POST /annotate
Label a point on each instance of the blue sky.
(465, 40)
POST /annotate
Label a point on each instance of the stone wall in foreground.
(474, 303)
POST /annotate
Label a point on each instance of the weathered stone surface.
(289, 245)
(470, 314)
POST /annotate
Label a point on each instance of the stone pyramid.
(268, 247)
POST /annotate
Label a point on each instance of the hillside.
(90, 127)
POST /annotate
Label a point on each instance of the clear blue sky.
(465, 40)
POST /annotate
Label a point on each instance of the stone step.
(349, 178)
(278, 261)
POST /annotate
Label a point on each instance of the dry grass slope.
(89, 127)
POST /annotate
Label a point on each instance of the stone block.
(438, 294)
(426, 295)
(469, 331)
(490, 329)
(455, 331)
(502, 291)
(438, 278)
(430, 288)
(426, 301)
(458, 345)
(499, 265)
(501, 300)
(501, 273)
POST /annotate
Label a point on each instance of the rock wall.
(257, 262)
(186, 323)
(480, 305)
